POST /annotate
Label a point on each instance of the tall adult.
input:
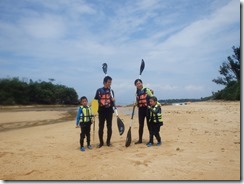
(105, 109)
(143, 95)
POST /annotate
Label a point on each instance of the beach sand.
(201, 141)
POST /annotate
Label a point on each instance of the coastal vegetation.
(14, 91)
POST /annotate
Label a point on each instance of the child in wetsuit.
(155, 120)
(84, 119)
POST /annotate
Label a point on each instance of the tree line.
(14, 91)
(181, 100)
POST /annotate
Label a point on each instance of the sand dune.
(201, 141)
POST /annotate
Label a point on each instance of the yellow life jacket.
(155, 115)
(86, 115)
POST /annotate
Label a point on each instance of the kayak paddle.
(128, 137)
(120, 123)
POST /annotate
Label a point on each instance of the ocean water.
(127, 111)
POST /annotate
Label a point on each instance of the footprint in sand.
(179, 149)
(5, 153)
(28, 173)
(137, 162)
(140, 154)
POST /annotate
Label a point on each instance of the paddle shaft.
(115, 108)
(132, 115)
(105, 69)
(141, 70)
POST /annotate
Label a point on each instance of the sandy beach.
(201, 141)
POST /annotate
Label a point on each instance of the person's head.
(138, 83)
(83, 101)
(153, 101)
(107, 81)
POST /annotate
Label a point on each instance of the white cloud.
(73, 38)
(44, 27)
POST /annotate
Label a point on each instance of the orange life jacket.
(142, 98)
(105, 98)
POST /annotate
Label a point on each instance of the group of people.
(148, 108)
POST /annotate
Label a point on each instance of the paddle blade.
(142, 66)
(121, 126)
(105, 68)
(94, 106)
(128, 138)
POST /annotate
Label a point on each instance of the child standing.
(84, 119)
(155, 120)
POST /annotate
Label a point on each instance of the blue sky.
(183, 43)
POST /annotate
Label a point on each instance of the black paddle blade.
(121, 126)
(128, 138)
(142, 66)
(105, 68)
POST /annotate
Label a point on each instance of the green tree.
(13, 91)
(230, 69)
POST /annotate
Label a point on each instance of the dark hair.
(154, 98)
(82, 98)
(137, 81)
(106, 79)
